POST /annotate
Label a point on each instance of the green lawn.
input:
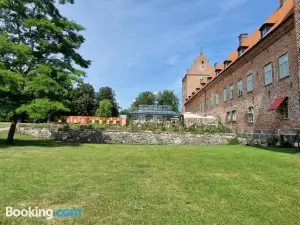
(122, 184)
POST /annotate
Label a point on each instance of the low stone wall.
(279, 138)
(125, 137)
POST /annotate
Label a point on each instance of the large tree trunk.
(11, 133)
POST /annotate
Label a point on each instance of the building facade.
(258, 86)
(196, 77)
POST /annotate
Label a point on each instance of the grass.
(122, 184)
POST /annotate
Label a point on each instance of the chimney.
(242, 39)
(218, 67)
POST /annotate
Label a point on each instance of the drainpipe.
(205, 105)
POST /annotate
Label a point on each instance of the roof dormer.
(218, 68)
(242, 44)
(265, 28)
(227, 63)
(281, 2)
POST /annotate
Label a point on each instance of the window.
(218, 72)
(268, 74)
(283, 66)
(250, 83)
(226, 64)
(233, 115)
(241, 51)
(217, 99)
(225, 94)
(228, 117)
(284, 110)
(264, 31)
(250, 114)
(240, 87)
(231, 91)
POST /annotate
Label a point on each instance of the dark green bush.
(272, 141)
(233, 141)
(66, 126)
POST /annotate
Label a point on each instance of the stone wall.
(126, 137)
(279, 138)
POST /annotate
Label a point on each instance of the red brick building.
(258, 86)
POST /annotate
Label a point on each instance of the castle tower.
(196, 77)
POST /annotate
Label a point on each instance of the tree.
(41, 109)
(168, 98)
(144, 98)
(124, 112)
(105, 108)
(109, 94)
(38, 55)
(83, 100)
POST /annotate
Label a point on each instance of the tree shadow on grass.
(47, 143)
(281, 150)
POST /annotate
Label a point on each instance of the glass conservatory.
(154, 112)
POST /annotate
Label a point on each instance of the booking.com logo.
(36, 212)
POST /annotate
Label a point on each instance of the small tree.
(109, 94)
(83, 100)
(41, 109)
(105, 108)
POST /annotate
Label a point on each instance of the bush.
(66, 126)
(272, 141)
(233, 141)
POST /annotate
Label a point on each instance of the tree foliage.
(169, 98)
(144, 98)
(124, 112)
(105, 108)
(108, 94)
(83, 100)
(41, 109)
(38, 55)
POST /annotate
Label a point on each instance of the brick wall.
(297, 33)
(285, 39)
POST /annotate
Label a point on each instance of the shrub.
(66, 126)
(233, 141)
(272, 141)
(82, 126)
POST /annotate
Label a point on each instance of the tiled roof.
(276, 18)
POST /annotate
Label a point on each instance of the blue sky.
(147, 45)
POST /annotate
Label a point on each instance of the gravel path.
(4, 128)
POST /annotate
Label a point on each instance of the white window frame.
(240, 87)
(229, 117)
(231, 92)
(250, 82)
(268, 74)
(283, 62)
(264, 32)
(251, 112)
(217, 98)
(233, 116)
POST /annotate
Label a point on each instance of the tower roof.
(201, 66)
